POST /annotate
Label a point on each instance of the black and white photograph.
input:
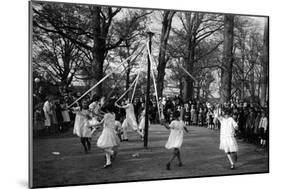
(125, 94)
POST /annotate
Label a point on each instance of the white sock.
(230, 159)
(107, 155)
(125, 136)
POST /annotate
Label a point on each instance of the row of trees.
(71, 41)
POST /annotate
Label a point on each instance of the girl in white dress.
(130, 120)
(142, 122)
(216, 113)
(227, 137)
(161, 109)
(193, 115)
(48, 114)
(65, 115)
(94, 108)
(118, 129)
(108, 140)
(175, 138)
(81, 125)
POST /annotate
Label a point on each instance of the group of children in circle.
(90, 118)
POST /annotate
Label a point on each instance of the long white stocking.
(230, 159)
(125, 134)
(108, 161)
(124, 128)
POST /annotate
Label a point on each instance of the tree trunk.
(188, 65)
(98, 49)
(252, 82)
(226, 72)
(166, 27)
(265, 62)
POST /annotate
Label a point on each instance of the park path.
(200, 154)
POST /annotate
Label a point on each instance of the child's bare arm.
(97, 124)
(165, 124)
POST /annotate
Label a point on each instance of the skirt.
(142, 124)
(83, 131)
(129, 122)
(65, 116)
(47, 121)
(228, 144)
(93, 121)
(175, 139)
(108, 139)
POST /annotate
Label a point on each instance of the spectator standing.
(263, 126)
(47, 114)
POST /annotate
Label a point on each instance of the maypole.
(150, 34)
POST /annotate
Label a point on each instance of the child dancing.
(175, 138)
(142, 122)
(108, 140)
(81, 125)
(227, 137)
(130, 120)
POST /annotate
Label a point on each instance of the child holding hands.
(108, 139)
(81, 125)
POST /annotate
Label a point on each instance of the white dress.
(47, 113)
(118, 126)
(176, 135)
(227, 140)
(65, 114)
(108, 137)
(130, 118)
(94, 107)
(216, 115)
(93, 121)
(161, 111)
(81, 124)
(142, 121)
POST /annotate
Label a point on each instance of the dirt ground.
(200, 155)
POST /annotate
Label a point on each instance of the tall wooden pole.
(150, 34)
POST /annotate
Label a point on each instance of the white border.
(14, 92)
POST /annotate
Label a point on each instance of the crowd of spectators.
(51, 114)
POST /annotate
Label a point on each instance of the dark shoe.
(180, 164)
(113, 157)
(107, 166)
(168, 166)
(125, 140)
